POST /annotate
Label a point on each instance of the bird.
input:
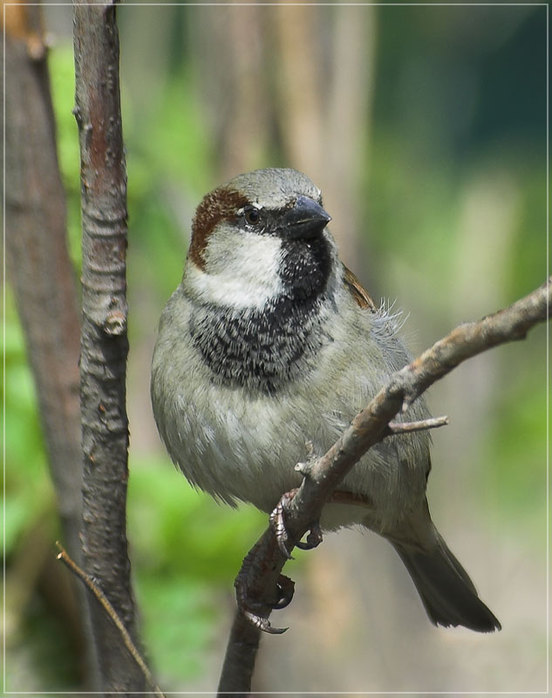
(266, 351)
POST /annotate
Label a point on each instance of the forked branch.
(264, 563)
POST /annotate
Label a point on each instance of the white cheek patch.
(241, 270)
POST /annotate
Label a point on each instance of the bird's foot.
(278, 525)
(252, 609)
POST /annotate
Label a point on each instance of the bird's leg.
(252, 609)
(278, 525)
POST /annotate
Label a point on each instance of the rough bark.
(104, 344)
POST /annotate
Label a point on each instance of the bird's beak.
(307, 219)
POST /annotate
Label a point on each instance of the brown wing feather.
(357, 291)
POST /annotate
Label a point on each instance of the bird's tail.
(447, 592)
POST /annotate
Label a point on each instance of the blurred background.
(425, 127)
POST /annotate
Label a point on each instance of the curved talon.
(286, 587)
(313, 539)
(263, 624)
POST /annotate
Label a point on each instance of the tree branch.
(104, 344)
(264, 563)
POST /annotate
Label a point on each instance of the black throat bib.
(265, 349)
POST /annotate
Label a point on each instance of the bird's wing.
(357, 291)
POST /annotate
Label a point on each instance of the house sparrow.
(270, 343)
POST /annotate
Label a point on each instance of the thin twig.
(110, 611)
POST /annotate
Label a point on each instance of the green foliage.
(62, 81)
(29, 491)
(186, 551)
(516, 451)
(178, 621)
(169, 167)
(180, 531)
(530, 245)
(412, 209)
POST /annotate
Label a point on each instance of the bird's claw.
(286, 588)
(252, 609)
(314, 538)
(262, 624)
(278, 525)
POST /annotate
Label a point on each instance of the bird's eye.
(252, 215)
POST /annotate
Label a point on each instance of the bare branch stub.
(406, 427)
(104, 344)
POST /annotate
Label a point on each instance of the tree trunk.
(104, 344)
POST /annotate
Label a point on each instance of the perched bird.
(270, 343)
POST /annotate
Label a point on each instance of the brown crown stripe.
(219, 205)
